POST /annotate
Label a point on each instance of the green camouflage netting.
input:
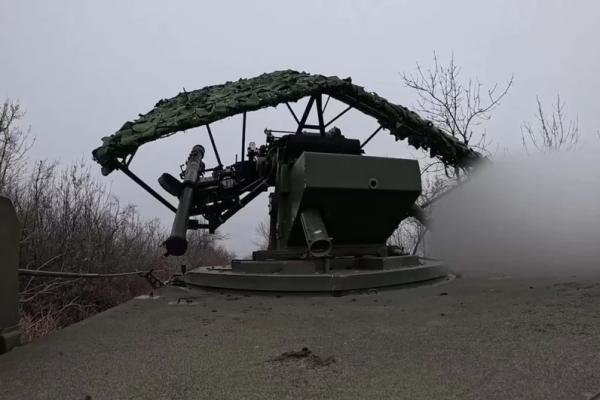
(200, 107)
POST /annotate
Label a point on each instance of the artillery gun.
(332, 208)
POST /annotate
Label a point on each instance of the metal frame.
(371, 136)
(214, 146)
(255, 188)
(243, 137)
(314, 99)
(124, 167)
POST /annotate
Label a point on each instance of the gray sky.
(81, 69)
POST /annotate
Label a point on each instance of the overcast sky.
(81, 68)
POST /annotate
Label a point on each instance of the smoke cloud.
(533, 216)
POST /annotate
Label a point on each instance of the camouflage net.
(200, 107)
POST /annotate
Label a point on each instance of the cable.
(59, 274)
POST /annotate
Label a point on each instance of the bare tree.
(71, 222)
(552, 132)
(14, 144)
(204, 250)
(459, 107)
(410, 235)
(262, 231)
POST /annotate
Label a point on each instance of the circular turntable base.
(332, 281)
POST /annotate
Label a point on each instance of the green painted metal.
(332, 281)
(200, 107)
(361, 199)
(318, 241)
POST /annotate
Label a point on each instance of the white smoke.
(540, 215)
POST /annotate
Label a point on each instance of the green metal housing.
(361, 199)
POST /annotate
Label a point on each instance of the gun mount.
(332, 208)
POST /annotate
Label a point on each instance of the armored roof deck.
(473, 338)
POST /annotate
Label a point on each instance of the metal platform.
(326, 275)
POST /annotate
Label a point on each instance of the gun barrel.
(176, 244)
